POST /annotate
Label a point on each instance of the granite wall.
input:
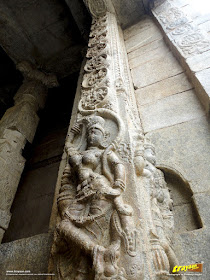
(176, 122)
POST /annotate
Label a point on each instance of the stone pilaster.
(17, 126)
(114, 218)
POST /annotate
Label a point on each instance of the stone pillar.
(17, 126)
(114, 219)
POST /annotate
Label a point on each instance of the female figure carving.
(93, 215)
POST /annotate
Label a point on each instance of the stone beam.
(17, 126)
(189, 44)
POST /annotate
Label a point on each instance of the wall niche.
(186, 216)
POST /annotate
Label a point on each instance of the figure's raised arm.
(118, 170)
(69, 147)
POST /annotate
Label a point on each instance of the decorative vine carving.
(188, 38)
(92, 98)
(194, 43)
(173, 18)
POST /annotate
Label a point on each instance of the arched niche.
(186, 216)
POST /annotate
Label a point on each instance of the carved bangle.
(122, 187)
(120, 181)
(121, 184)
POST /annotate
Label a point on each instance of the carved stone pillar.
(114, 217)
(17, 126)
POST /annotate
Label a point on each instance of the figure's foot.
(98, 259)
(111, 257)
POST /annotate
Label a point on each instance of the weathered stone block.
(203, 87)
(1, 234)
(143, 38)
(155, 71)
(186, 145)
(162, 89)
(149, 56)
(26, 254)
(21, 118)
(8, 187)
(5, 217)
(194, 245)
(141, 26)
(10, 141)
(14, 163)
(199, 62)
(171, 110)
(147, 48)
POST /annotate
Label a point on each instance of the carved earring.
(106, 140)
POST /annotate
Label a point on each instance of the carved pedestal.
(114, 210)
(17, 126)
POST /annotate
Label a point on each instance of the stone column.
(113, 216)
(18, 126)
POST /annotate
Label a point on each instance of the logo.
(197, 267)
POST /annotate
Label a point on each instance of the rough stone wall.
(14, 257)
(174, 119)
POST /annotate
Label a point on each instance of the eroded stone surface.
(147, 48)
(162, 89)
(187, 146)
(1, 234)
(30, 254)
(155, 71)
(149, 56)
(141, 39)
(171, 110)
(4, 219)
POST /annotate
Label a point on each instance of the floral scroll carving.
(187, 36)
(97, 8)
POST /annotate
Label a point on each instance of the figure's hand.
(119, 184)
(113, 193)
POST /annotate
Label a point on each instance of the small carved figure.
(93, 214)
(162, 221)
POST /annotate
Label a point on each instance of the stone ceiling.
(43, 32)
(51, 34)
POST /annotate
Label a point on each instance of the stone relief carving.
(187, 37)
(93, 213)
(162, 221)
(97, 7)
(173, 18)
(194, 43)
(98, 234)
(93, 98)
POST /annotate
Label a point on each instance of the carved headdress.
(96, 122)
(148, 145)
